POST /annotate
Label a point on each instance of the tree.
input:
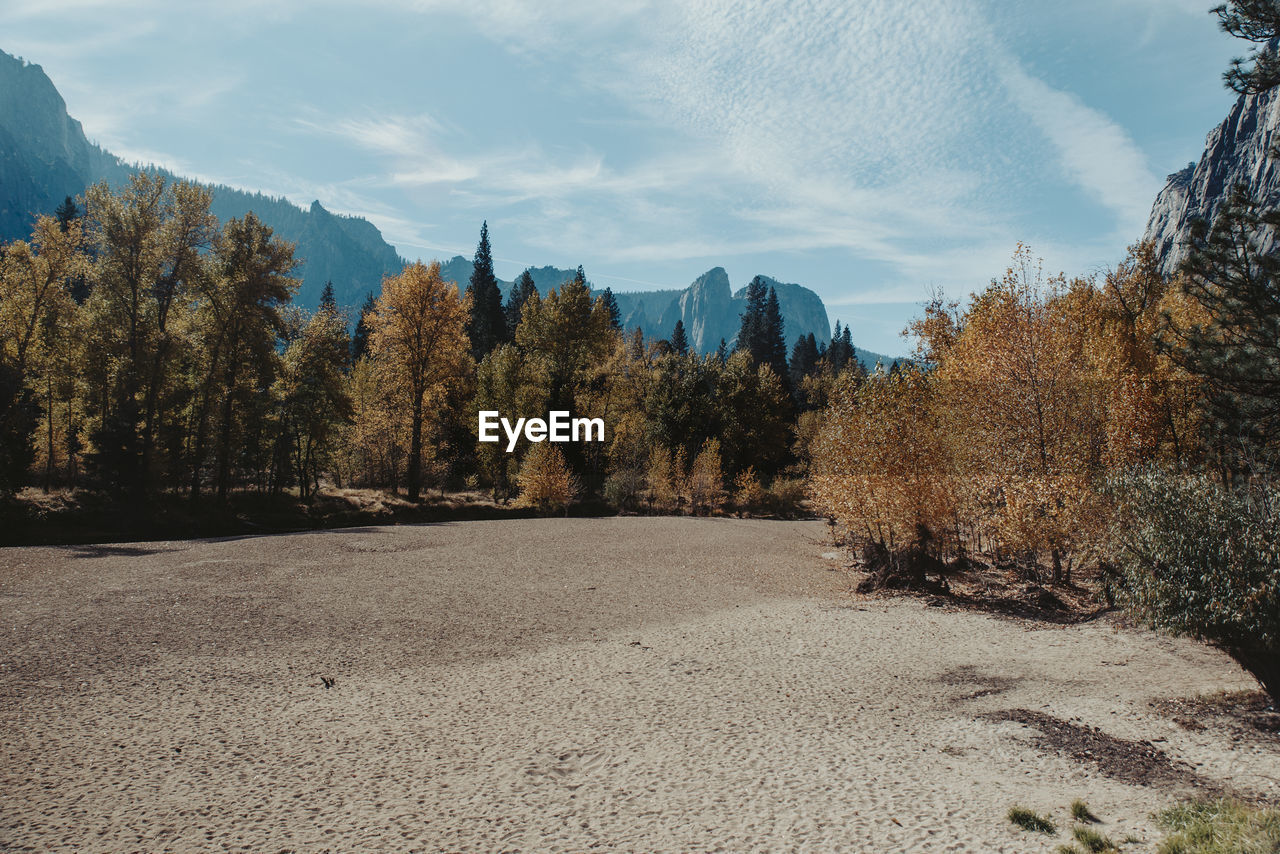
(327, 300)
(615, 313)
(679, 343)
(313, 392)
(148, 242)
(572, 332)
(751, 330)
(1257, 21)
(773, 347)
(521, 291)
(1234, 343)
(66, 213)
(360, 337)
(487, 324)
(804, 360)
(545, 479)
(240, 305)
(419, 336)
(706, 478)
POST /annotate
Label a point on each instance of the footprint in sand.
(569, 768)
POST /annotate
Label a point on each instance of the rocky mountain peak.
(1236, 152)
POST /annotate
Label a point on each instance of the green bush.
(1203, 561)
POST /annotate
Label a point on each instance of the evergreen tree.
(840, 352)
(487, 324)
(66, 213)
(611, 303)
(360, 338)
(751, 330)
(1257, 21)
(521, 291)
(327, 300)
(1237, 349)
(679, 342)
(722, 352)
(773, 346)
(804, 359)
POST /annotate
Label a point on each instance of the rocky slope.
(45, 157)
(1236, 152)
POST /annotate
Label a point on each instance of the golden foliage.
(545, 480)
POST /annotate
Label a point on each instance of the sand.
(637, 684)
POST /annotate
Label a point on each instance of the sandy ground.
(639, 684)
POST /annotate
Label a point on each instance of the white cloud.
(1095, 151)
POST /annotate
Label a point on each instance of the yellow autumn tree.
(419, 338)
(545, 480)
(706, 478)
(1023, 406)
(883, 465)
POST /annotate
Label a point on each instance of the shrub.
(545, 480)
(623, 488)
(748, 494)
(785, 496)
(1220, 827)
(1204, 561)
(1030, 821)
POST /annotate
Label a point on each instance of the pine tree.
(611, 303)
(679, 342)
(487, 325)
(360, 338)
(751, 330)
(1257, 21)
(722, 352)
(804, 359)
(773, 346)
(521, 291)
(327, 300)
(1237, 350)
(66, 213)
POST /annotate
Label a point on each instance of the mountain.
(708, 307)
(1235, 152)
(45, 157)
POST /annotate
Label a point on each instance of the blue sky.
(872, 150)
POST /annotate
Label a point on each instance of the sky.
(875, 151)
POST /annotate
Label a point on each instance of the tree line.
(1127, 425)
(150, 350)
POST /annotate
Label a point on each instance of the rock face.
(708, 307)
(45, 157)
(1236, 152)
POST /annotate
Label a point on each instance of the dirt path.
(624, 684)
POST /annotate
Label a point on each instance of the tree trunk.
(415, 451)
(48, 417)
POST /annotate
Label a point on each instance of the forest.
(151, 351)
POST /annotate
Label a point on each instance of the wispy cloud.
(1096, 152)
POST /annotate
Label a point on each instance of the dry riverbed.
(646, 684)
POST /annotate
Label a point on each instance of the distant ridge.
(45, 157)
